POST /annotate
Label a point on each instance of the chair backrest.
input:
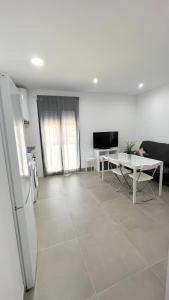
(149, 167)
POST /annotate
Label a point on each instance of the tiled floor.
(95, 245)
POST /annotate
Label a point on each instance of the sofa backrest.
(155, 150)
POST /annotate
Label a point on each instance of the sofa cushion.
(159, 151)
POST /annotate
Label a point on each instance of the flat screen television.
(105, 140)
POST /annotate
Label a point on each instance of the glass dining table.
(135, 163)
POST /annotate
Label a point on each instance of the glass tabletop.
(131, 160)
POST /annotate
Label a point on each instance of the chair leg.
(118, 178)
(126, 181)
(117, 189)
(121, 183)
(94, 166)
(86, 166)
(153, 193)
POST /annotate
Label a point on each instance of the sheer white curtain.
(59, 128)
(51, 145)
(70, 141)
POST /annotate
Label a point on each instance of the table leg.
(161, 180)
(108, 162)
(102, 169)
(134, 186)
(86, 166)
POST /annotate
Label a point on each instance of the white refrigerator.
(19, 180)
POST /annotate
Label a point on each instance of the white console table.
(100, 152)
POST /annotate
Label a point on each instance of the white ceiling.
(122, 42)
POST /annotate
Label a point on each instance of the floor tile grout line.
(56, 245)
(123, 227)
(135, 248)
(83, 260)
(146, 214)
(86, 268)
(128, 277)
(150, 216)
(162, 282)
(147, 265)
(158, 262)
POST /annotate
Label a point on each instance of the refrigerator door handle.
(17, 208)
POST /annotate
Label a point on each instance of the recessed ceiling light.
(37, 61)
(95, 80)
(141, 85)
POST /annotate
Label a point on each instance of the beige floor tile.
(96, 226)
(52, 208)
(160, 269)
(132, 219)
(62, 275)
(80, 198)
(50, 186)
(89, 180)
(94, 297)
(122, 209)
(53, 231)
(84, 208)
(104, 192)
(165, 194)
(162, 217)
(118, 200)
(152, 245)
(144, 285)
(154, 207)
(109, 258)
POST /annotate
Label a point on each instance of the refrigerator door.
(11, 283)
(20, 147)
(19, 177)
(15, 139)
(28, 236)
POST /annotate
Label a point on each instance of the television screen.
(105, 140)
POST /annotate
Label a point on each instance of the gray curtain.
(59, 130)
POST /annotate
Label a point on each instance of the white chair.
(143, 177)
(120, 171)
(91, 163)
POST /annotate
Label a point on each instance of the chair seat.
(90, 158)
(121, 171)
(142, 177)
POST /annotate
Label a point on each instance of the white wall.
(11, 285)
(100, 112)
(97, 112)
(152, 113)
